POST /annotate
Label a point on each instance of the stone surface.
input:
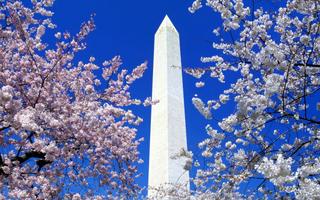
(168, 128)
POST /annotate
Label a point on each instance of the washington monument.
(168, 127)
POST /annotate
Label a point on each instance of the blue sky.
(127, 28)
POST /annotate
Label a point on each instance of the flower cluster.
(61, 126)
(270, 143)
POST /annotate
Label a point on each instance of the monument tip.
(167, 23)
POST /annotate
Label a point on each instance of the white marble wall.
(168, 129)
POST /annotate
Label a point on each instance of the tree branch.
(4, 128)
(28, 155)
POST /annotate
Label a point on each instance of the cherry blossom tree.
(269, 147)
(65, 127)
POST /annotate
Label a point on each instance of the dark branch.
(28, 155)
(34, 154)
(41, 163)
(308, 65)
(4, 128)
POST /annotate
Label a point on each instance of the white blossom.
(199, 84)
(201, 107)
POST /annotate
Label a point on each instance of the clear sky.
(127, 28)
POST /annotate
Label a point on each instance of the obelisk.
(168, 127)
